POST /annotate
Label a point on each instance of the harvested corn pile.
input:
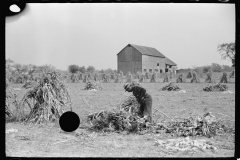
(112, 76)
(224, 78)
(147, 75)
(47, 101)
(138, 75)
(216, 87)
(129, 78)
(232, 74)
(171, 87)
(180, 78)
(141, 78)
(194, 77)
(118, 79)
(209, 77)
(11, 104)
(186, 144)
(189, 75)
(95, 78)
(153, 78)
(90, 85)
(105, 78)
(114, 121)
(166, 78)
(205, 125)
(80, 76)
(74, 78)
(125, 117)
(130, 105)
(8, 112)
(85, 79)
(8, 99)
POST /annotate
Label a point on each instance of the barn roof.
(148, 51)
(168, 61)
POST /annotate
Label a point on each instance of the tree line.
(19, 73)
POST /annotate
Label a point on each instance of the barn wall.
(129, 59)
(150, 62)
(137, 61)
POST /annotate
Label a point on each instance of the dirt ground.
(49, 141)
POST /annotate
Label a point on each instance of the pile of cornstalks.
(224, 78)
(232, 74)
(74, 78)
(125, 117)
(171, 87)
(200, 125)
(147, 75)
(130, 105)
(153, 78)
(106, 78)
(216, 87)
(95, 78)
(122, 120)
(194, 77)
(209, 78)
(8, 97)
(166, 78)
(92, 85)
(47, 101)
(141, 78)
(129, 78)
(180, 78)
(87, 78)
(118, 79)
(115, 121)
(112, 76)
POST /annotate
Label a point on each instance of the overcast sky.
(93, 34)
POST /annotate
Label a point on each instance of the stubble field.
(50, 141)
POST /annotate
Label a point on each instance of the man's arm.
(142, 93)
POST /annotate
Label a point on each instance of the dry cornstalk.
(224, 78)
(180, 78)
(46, 101)
(153, 78)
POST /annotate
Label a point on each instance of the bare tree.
(227, 50)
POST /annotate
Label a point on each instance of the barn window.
(145, 70)
(157, 64)
(150, 70)
(160, 71)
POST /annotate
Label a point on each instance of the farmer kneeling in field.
(143, 98)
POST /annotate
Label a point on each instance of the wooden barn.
(135, 58)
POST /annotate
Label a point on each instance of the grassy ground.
(49, 140)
